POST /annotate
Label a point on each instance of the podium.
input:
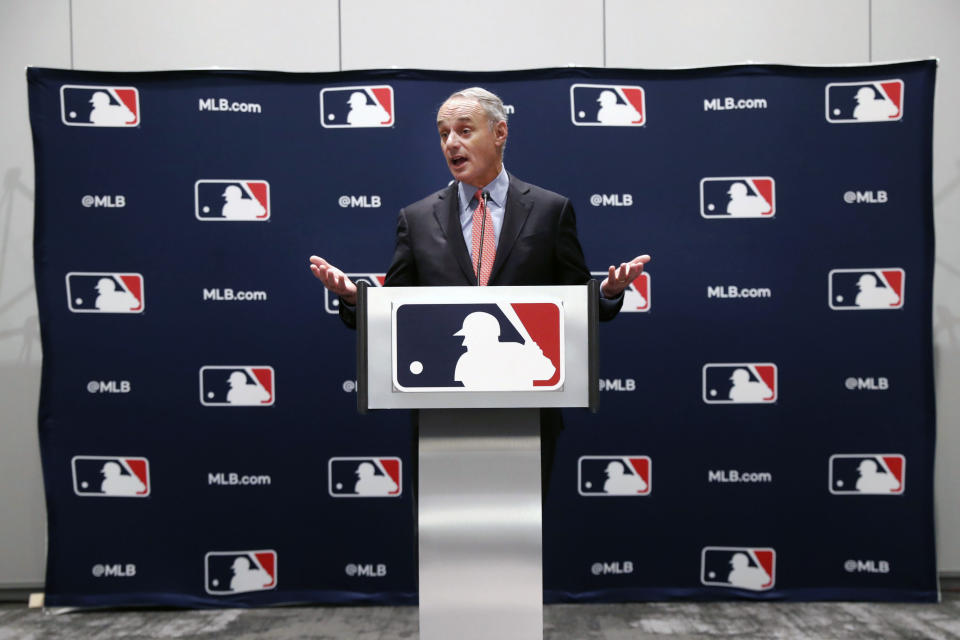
(478, 363)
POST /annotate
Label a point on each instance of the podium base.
(480, 520)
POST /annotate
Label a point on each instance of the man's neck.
(488, 179)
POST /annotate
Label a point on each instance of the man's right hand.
(334, 279)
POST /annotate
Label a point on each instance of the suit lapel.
(515, 215)
(446, 211)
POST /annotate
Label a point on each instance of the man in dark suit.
(535, 232)
(487, 226)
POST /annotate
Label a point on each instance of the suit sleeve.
(571, 265)
(403, 267)
(402, 271)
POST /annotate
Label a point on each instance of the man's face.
(470, 147)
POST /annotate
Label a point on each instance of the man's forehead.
(459, 109)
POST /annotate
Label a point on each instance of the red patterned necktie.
(489, 252)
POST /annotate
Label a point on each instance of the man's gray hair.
(491, 103)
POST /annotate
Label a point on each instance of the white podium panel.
(434, 348)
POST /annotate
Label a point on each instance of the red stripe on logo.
(635, 96)
(765, 558)
(765, 187)
(133, 283)
(268, 562)
(768, 375)
(895, 280)
(383, 97)
(642, 467)
(139, 468)
(895, 464)
(542, 322)
(259, 191)
(893, 92)
(129, 99)
(641, 287)
(392, 467)
(265, 379)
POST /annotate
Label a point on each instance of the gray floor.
(678, 621)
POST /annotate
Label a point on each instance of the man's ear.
(500, 133)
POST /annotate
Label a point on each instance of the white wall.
(323, 35)
(35, 33)
(921, 28)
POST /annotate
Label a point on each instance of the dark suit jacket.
(538, 245)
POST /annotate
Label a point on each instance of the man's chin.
(461, 173)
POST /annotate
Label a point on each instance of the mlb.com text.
(222, 104)
(732, 476)
(237, 480)
(730, 104)
(733, 291)
(231, 295)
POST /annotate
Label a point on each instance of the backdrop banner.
(767, 420)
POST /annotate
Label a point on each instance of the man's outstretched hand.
(619, 278)
(335, 280)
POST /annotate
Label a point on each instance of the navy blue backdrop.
(767, 395)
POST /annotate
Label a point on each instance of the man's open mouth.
(457, 161)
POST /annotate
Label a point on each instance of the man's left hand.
(619, 278)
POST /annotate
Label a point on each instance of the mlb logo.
(218, 200)
(111, 476)
(738, 567)
(636, 297)
(238, 386)
(880, 101)
(607, 105)
(740, 383)
(366, 106)
(614, 476)
(229, 572)
(94, 292)
(360, 477)
(867, 474)
(332, 303)
(515, 346)
(737, 197)
(91, 106)
(866, 288)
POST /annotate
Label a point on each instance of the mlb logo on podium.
(607, 105)
(867, 474)
(860, 289)
(332, 303)
(111, 476)
(230, 572)
(93, 106)
(93, 292)
(243, 200)
(614, 476)
(737, 197)
(515, 346)
(637, 296)
(237, 386)
(362, 106)
(740, 383)
(359, 477)
(877, 101)
(749, 568)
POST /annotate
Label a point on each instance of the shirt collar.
(497, 189)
